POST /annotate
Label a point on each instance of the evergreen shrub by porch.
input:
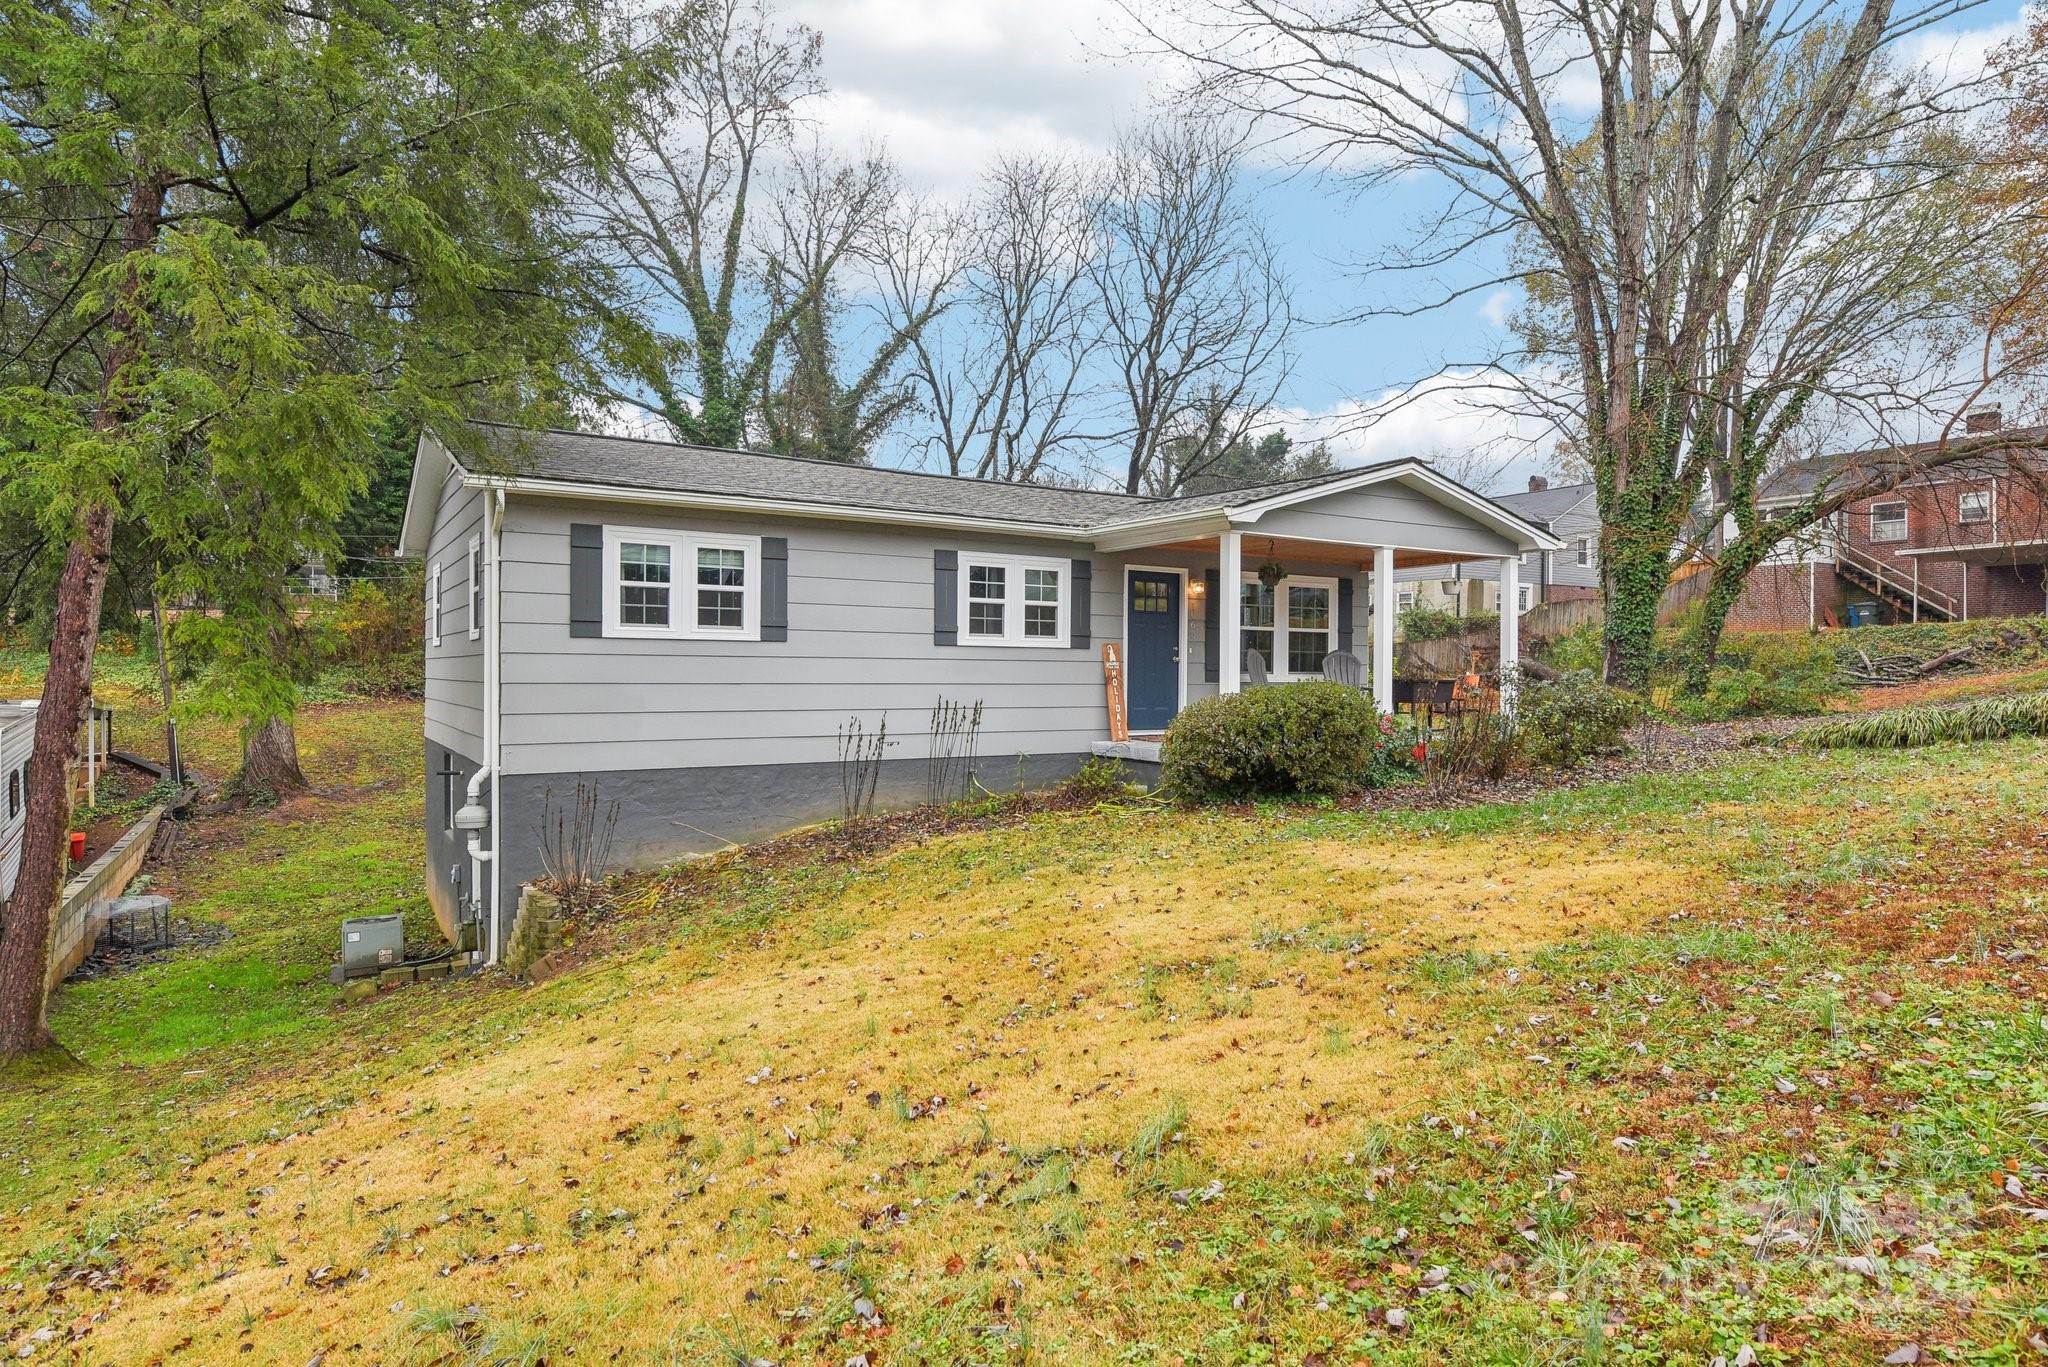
(1280, 740)
(1564, 722)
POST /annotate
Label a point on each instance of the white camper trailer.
(17, 736)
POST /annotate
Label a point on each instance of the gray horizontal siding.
(455, 668)
(1384, 515)
(860, 645)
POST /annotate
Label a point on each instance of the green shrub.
(1770, 674)
(1582, 648)
(1567, 720)
(375, 634)
(1985, 719)
(1099, 779)
(1280, 740)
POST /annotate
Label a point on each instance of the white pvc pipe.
(493, 719)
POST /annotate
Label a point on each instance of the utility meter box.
(370, 944)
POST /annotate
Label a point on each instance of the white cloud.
(1464, 421)
(1957, 54)
(947, 84)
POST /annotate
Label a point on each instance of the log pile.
(2010, 643)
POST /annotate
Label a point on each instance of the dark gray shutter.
(586, 579)
(946, 598)
(1344, 614)
(1082, 605)
(774, 588)
(1211, 619)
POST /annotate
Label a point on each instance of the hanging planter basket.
(1272, 572)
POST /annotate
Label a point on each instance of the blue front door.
(1152, 654)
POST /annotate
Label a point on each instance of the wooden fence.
(1452, 655)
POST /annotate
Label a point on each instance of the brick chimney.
(1986, 419)
(1537, 483)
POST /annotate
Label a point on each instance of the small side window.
(476, 588)
(434, 604)
(13, 795)
(1974, 505)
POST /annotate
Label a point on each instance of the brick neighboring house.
(1567, 511)
(1967, 540)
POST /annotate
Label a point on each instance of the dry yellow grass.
(930, 1088)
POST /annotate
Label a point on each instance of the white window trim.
(434, 604)
(1990, 497)
(1013, 567)
(1525, 595)
(1582, 550)
(1905, 521)
(1276, 668)
(476, 588)
(682, 603)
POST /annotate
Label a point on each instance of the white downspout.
(473, 815)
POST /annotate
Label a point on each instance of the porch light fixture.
(1272, 572)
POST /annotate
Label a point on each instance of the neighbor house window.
(434, 605)
(1013, 601)
(1405, 599)
(1888, 522)
(476, 588)
(1582, 550)
(682, 584)
(1974, 506)
(1292, 625)
(1522, 593)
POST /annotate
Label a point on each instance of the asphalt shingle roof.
(644, 463)
(1900, 465)
(1541, 505)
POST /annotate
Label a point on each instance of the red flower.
(1421, 752)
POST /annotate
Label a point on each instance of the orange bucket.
(78, 847)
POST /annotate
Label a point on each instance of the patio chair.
(1254, 668)
(1341, 666)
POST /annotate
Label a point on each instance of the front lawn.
(1748, 1056)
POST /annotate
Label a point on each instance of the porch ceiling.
(1315, 552)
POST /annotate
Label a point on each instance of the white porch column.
(1510, 628)
(1383, 628)
(1229, 643)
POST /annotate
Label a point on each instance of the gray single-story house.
(689, 629)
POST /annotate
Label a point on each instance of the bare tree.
(678, 209)
(830, 222)
(1663, 189)
(1004, 380)
(1197, 316)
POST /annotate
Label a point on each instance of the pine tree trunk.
(67, 688)
(270, 760)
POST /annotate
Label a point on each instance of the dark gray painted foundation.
(447, 849)
(665, 814)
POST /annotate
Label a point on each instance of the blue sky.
(945, 85)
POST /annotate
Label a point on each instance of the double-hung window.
(476, 588)
(1973, 505)
(1009, 600)
(695, 585)
(1582, 550)
(1888, 522)
(434, 604)
(1292, 624)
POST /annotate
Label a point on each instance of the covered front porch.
(1293, 584)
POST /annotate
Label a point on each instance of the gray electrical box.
(370, 944)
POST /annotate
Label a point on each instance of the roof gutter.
(555, 488)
